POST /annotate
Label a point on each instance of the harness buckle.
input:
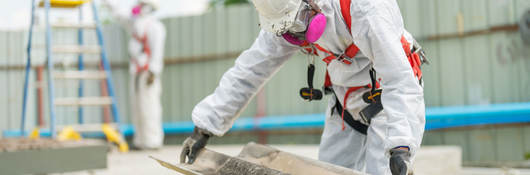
(327, 90)
(309, 50)
(417, 49)
(345, 59)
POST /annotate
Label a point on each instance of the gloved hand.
(400, 162)
(150, 77)
(193, 144)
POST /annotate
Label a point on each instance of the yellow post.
(35, 133)
(114, 137)
(64, 3)
(68, 133)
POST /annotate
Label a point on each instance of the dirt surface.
(17, 144)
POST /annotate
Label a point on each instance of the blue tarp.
(437, 118)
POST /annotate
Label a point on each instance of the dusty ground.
(138, 163)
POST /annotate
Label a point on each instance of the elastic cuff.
(203, 131)
(401, 147)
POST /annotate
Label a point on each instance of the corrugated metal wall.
(489, 67)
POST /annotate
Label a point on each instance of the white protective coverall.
(376, 28)
(146, 108)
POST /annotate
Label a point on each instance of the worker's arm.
(217, 112)
(156, 38)
(123, 16)
(377, 27)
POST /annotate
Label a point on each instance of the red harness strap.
(345, 11)
(414, 58)
(346, 57)
(146, 49)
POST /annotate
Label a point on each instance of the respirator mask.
(308, 26)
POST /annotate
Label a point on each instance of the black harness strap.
(348, 118)
(374, 80)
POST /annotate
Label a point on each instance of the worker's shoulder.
(157, 25)
(157, 22)
(369, 7)
(372, 14)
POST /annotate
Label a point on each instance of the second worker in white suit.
(146, 51)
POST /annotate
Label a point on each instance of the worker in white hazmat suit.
(146, 51)
(373, 73)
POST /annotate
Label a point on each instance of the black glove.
(193, 144)
(400, 162)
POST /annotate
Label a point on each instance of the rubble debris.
(237, 166)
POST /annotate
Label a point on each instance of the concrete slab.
(209, 162)
(438, 160)
(256, 159)
(23, 156)
(494, 171)
(290, 163)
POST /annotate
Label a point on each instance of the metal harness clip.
(345, 59)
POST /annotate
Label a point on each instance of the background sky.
(15, 15)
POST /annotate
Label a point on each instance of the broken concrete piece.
(256, 159)
(213, 163)
(290, 163)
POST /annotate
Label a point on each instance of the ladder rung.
(96, 127)
(76, 49)
(64, 3)
(83, 101)
(73, 61)
(73, 25)
(71, 74)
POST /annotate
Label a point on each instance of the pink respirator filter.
(292, 39)
(136, 10)
(316, 28)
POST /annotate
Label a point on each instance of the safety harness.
(146, 49)
(373, 98)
